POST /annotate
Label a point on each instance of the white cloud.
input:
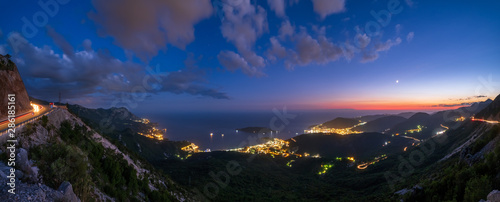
(278, 6)
(398, 28)
(276, 50)
(286, 29)
(327, 7)
(387, 45)
(233, 61)
(410, 36)
(363, 40)
(243, 24)
(306, 48)
(371, 55)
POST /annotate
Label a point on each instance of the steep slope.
(380, 124)
(61, 148)
(109, 119)
(464, 166)
(11, 83)
(123, 127)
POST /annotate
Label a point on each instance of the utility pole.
(59, 97)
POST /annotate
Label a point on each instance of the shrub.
(477, 188)
(59, 163)
(44, 120)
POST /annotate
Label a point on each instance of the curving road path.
(27, 116)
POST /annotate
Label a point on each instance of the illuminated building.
(154, 133)
(192, 148)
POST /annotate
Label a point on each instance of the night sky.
(202, 55)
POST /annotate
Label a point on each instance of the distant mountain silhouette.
(411, 123)
(381, 124)
(341, 123)
(406, 115)
(369, 118)
(492, 111)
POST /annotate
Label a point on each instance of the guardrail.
(18, 125)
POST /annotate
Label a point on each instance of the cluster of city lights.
(144, 121)
(153, 133)
(274, 147)
(341, 131)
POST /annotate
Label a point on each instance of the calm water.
(196, 127)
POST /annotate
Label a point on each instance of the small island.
(257, 130)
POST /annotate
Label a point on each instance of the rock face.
(67, 191)
(11, 83)
(30, 173)
(494, 196)
(34, 191)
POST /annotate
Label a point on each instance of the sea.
(197, 127)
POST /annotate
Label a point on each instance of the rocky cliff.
(11, 83)
(60, 158)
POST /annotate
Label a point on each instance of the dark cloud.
(454, 105)
(79, 74)
(60, 41)
(147, 26)
(471, 97)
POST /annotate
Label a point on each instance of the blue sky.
(255, 55)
